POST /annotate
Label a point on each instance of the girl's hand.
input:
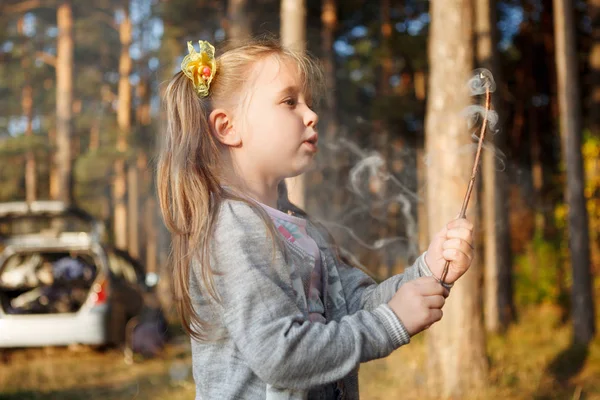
(455, 244)
(418, 303)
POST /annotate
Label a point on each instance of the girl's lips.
(313, 139)
(312, 146)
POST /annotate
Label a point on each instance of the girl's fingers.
(442, 234)
(460, 223)
(460, 233)
(435, 314)
(429, 286)
(435, 301)
(457, 257)
(458, 244)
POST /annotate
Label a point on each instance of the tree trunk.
(594, 107)
(422, 204)
(119, 205)
(390, 212)
(499, 310)
(151, 235)
(570, 126)
(457, 360)
(124, 124)
(94, 144)
(64, 100)
(238, 21)
(133, 195)
(594, 62)
(147, 239)
(545, 124)
(53, 191)
(332, 195)
(27, 108)
(421, 167)
(293, 36)
(30, 168)
(329, 21)
(386, 34)
(143, 115)
(537, 175)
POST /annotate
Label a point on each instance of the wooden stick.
(463, 210)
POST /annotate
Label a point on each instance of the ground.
(533, 361)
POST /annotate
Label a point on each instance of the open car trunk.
(46, 282)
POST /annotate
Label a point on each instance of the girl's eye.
(290, 102)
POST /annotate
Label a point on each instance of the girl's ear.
(221, 125)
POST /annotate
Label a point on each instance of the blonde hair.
(189, 189)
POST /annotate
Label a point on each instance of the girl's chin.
(309, 166)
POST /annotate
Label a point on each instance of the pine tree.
(456, 357)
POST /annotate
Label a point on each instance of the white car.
(58, 284)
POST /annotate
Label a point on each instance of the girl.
(273, 312)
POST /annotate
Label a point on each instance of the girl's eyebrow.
(290, 90)
(295, 91)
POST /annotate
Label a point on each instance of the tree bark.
(331, 199)
(94, 144)
(594, 107)
(52, 168)
(151, 235)
(456, 357)
(30, 165)
(384, 145)
(144, 173)
(329, 21)
(570, 126)
(594, 63)
(124, 124)
(133, 195)
(238, 21)
(422, 204)
(64, 100)
(27, 108)
(293, 36)
(419, 88)
(498, 309)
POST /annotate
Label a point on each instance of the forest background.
(81, 119)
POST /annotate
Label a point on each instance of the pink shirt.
(293, 229)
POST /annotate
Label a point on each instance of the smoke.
(371, 165)
(374, 187)
(375, 190)
(475, 115)
(376, 245)
(481, 80)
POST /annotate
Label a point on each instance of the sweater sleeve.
(281, 346)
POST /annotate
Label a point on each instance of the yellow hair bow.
(200, 67)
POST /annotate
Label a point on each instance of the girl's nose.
(310, 118)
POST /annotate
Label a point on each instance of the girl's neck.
(263, 193)
(249, 181)
(256, 190)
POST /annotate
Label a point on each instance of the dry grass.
(83, 373)
(533, 361)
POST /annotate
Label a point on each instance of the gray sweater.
(267, 347)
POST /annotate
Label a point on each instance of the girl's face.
(278, 134)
